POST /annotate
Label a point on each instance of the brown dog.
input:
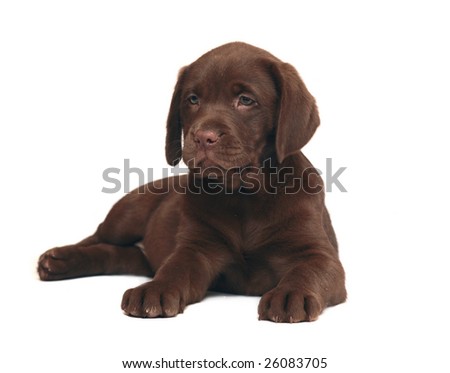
(249, 218)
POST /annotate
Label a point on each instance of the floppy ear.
(298, 117)
(174, 126)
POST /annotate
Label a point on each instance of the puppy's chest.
(246, 224)
(249, 233)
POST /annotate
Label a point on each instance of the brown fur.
(249, 218)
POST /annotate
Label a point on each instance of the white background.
(86, 84)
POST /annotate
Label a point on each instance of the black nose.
(206, 138)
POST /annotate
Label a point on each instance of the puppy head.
(237, 106)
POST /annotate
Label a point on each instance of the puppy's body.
(249, 218)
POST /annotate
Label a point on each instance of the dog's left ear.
(298, 117)
(174, 125)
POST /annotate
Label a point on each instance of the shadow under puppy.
(249, 218)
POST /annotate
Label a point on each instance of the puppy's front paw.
(289, 305)
(153, 299)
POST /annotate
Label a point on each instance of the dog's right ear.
(174, 125)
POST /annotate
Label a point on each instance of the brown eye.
(246, 101)
(193, 100)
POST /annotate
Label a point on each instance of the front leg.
(316, 281)
(183, 279)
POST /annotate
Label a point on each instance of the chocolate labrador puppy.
(249, 218)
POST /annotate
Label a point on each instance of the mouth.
(205, 166)
(205, 160)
